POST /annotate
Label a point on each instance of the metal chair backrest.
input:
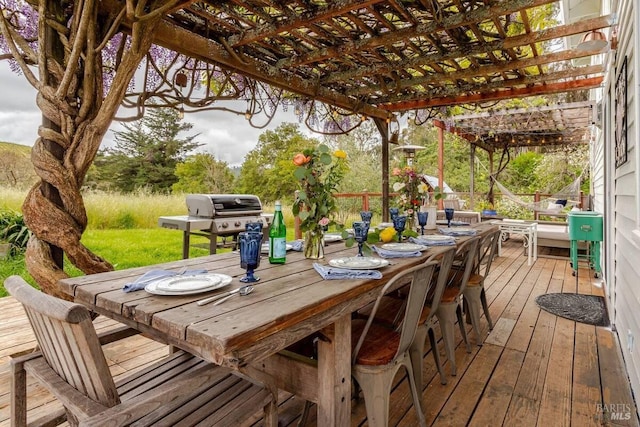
(464, 263)
(487, 251)
(419, 286)
(68, 341)
(439, 282)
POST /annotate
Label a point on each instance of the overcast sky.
(225, 135)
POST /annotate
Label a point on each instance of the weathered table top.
(289, 302)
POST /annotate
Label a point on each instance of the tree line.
(158, 154)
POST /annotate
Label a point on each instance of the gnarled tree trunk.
(76, 115)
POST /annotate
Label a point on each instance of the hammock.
(567, 196)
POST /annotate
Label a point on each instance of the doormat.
(588, 309)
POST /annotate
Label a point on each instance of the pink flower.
(396, 172)
(324, 222)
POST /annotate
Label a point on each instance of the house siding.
(615, 193)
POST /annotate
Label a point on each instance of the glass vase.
(314, 244)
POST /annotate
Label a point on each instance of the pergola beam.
(542, 89)
(529, 81)
(495, 45)
(446, 23)
(188, 43)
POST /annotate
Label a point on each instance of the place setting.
(354, 267)
(176, 283)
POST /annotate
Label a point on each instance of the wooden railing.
(352, 203)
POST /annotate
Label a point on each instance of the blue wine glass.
(422, 220)
(394, 213)
(398, 223)
(448, 213)
(366, 216)
(360, 233)
(249, 243)
(253, 227)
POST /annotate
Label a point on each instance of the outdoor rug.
(588, 309)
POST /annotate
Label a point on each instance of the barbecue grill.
(216, 215)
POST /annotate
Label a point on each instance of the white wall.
(616, 195)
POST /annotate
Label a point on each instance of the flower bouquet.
(413, 191)
(319, 173)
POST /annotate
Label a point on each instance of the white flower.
(398, 186)
(423, 188)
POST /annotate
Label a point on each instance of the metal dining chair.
(474, 294)
(450, 307)
(380, 351)
(428, 318)
(180, 389)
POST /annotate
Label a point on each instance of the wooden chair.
(452, 203)
(180, 389)
(474, 294)
(450, 306)
(380, 351)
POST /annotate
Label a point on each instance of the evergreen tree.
(146, 152)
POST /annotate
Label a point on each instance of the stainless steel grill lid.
(220, 205)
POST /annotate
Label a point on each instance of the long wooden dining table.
(248, 333)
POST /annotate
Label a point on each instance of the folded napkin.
(429, 242)
(333, 273)
(152, 275)
(457, 232)
(296, 245)
(386, 253)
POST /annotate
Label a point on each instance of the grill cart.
(586, 226)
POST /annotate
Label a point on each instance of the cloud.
(227, 136)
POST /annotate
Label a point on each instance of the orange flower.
(396, 172)
(300, 159)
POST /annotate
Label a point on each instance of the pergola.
(378, 58)
(361, 59)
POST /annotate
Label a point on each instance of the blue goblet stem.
(448, 212)
(249, 245)
(399, 223)
(360, 232)
(422, 220)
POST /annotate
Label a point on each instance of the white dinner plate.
(384, 225)
(186, 285)
(359, 262)
(265, 247)
(332, 237)
(436, 237)
(403, 247)
(454, 223)
(463, 230)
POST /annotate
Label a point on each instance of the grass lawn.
(124, 249)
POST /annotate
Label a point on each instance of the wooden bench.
(180, 389)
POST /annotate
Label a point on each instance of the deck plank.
(534, 369)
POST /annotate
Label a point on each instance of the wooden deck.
(534, 368)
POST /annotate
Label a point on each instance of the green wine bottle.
(278, 237)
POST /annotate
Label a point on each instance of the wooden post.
(491, 198)
(472, 175)
(365, 201)
(441, 164)
(383, 128)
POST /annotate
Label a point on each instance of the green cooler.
(586, 226)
